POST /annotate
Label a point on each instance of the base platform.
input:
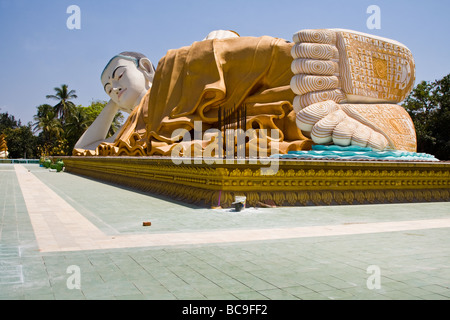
(295, 182)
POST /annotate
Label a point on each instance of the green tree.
(94, 109)
(76, 124)
(440, 124)
(49, 127)
(63, 95)
(21, 142)
(58, 137)
(8, 121)
(429, 107)
(116, 124)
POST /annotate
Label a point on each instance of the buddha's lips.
(121, 92)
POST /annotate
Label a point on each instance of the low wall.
(295, 182)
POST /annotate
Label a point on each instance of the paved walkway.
(55, 223)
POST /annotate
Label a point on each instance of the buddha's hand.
(333, 67)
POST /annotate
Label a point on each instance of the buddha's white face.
(125, 83)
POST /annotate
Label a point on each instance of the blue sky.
(38, 51)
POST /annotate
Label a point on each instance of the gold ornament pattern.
(375, 67)
(3, 146)
(296, 183)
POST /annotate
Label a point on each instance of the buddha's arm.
(98, 130)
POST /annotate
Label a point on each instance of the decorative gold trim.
(296, 183)
(3, 147)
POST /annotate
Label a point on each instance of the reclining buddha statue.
(328, 86)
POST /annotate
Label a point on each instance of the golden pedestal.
(296, 183)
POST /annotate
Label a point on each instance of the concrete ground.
(65, 237)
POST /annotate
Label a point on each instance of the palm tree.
(76, 124)
(42, 110)
(63, 95)
(48, 123)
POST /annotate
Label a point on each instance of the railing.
(234, 119)
(12, 161)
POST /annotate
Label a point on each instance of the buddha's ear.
(146, 66)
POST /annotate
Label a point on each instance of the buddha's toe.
(322, 132)
(309, 116)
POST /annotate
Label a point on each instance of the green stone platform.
(413, 259)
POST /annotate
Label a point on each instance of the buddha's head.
(126, 79)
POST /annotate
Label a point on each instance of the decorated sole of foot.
(349, 66)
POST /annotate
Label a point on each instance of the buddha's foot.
(349, 67)
(347, 85)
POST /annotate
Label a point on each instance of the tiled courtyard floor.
(59, 230)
